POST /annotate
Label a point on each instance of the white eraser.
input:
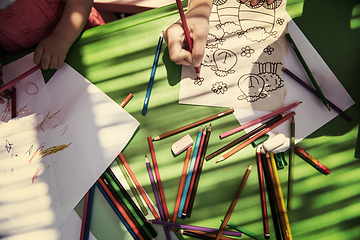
(182, 144)
(274, 142)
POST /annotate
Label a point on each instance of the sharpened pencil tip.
(220, 159)
(250, 167)
(328, 107)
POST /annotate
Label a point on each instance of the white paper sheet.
(51, 158)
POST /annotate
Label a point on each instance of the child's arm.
(51, 51)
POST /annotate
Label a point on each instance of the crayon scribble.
(8, 146)
(47, 117)
(52, 150)
(37, 150)
(36, 174)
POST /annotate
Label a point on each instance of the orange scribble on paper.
(37, 151)
(36, 174)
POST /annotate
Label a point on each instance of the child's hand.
(51, 51)
(6, 93)
(197, 18)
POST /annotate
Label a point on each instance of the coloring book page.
(26, 89)
(311, 114)
(242, 64)
(51, 158)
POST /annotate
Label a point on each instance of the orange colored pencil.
(233, 203)
(139, 187)
(181, 186)
(126, 100)
(256, 136)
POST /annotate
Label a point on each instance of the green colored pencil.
(131, 185)
(245, 231)
(307, 69)
(291, 164)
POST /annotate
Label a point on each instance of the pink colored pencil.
(158, 179)
(258, 120)
(181, 186)
(19, 78)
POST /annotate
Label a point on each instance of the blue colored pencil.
(190, 172)
(152, 75)
(85, 225)
(117, 212)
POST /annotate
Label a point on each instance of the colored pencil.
(280, 212)
(117, 212)
(157, 197)
(19, 78)
(281, 197)
(259, 134)
(193, 227)
(186, 30)
(13, 102)
(204, 235)
(124, 204)
(194, 124)
(181, 186)
(262, 194)
(136, 229)
(291, 164)
(86, 218)
(131, 185)
(158, 179)
(307, 69)
(260, 119)
(313, 91)
(198, 172)
(194, 235)
(192, 182)
(152, 76)
(246, 136)
(139, 187)
(131, 206)
(126, 100)
(190, 172)
(245, 231)
(311, 160)
(233, 203)
(271, 195)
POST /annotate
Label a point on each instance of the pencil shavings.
(182, 144)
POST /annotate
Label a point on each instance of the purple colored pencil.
(157, 197)
(192, 227)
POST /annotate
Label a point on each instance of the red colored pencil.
(158, 179)
(13, 102)
(19, 78)
(181, 186)
(139, 187)
(186, 30)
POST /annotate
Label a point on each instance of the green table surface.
(118, 57)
